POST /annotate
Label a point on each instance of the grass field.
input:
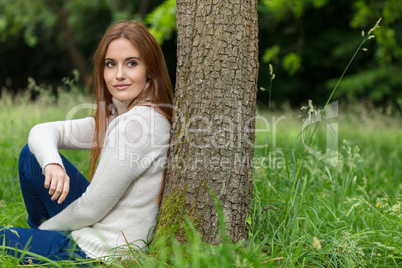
(306, 213)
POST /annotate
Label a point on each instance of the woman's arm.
(45, 140)
(128, 135)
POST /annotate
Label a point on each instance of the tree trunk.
(212, 142)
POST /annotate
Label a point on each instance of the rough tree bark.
(212, 143)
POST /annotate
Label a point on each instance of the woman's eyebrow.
(129, 58)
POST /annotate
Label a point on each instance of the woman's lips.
(121, 86)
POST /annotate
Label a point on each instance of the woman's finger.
(59, 189)
(48, 178)
(53, 185)
(66, 189)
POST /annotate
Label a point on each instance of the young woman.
(128, 137)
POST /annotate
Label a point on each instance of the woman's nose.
(120, 73)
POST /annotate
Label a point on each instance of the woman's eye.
(132, 63)
(110, 64)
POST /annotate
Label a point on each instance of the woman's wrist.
(56, 164)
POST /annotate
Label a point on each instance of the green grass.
(352, 211)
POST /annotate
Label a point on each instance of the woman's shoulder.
(142, 117)
(147, 112)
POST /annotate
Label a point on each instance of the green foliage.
(46, 39)
(389, 10)
(282, 9)
(278, 10)
(308, 42)
(376, 84)
(163, 21)
(17, 17)
(388, 55)
(291, 63)
(34, 16)
(271, 53)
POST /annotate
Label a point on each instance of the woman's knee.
(27, 162)
(25, 152)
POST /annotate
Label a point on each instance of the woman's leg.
(50, 244)
(36, 197)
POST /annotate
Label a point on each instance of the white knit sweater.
(121, 201)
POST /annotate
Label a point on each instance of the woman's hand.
(57, 181)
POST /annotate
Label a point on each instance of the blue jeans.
(50, 244)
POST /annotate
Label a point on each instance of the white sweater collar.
(120, 106)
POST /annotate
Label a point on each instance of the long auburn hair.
(158, 92)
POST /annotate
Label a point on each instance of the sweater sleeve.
(127, 136)
(45, 139)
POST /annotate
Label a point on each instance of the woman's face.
(125, 73)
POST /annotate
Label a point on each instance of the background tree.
(47, 39)
(308, 42)
(212, 142)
